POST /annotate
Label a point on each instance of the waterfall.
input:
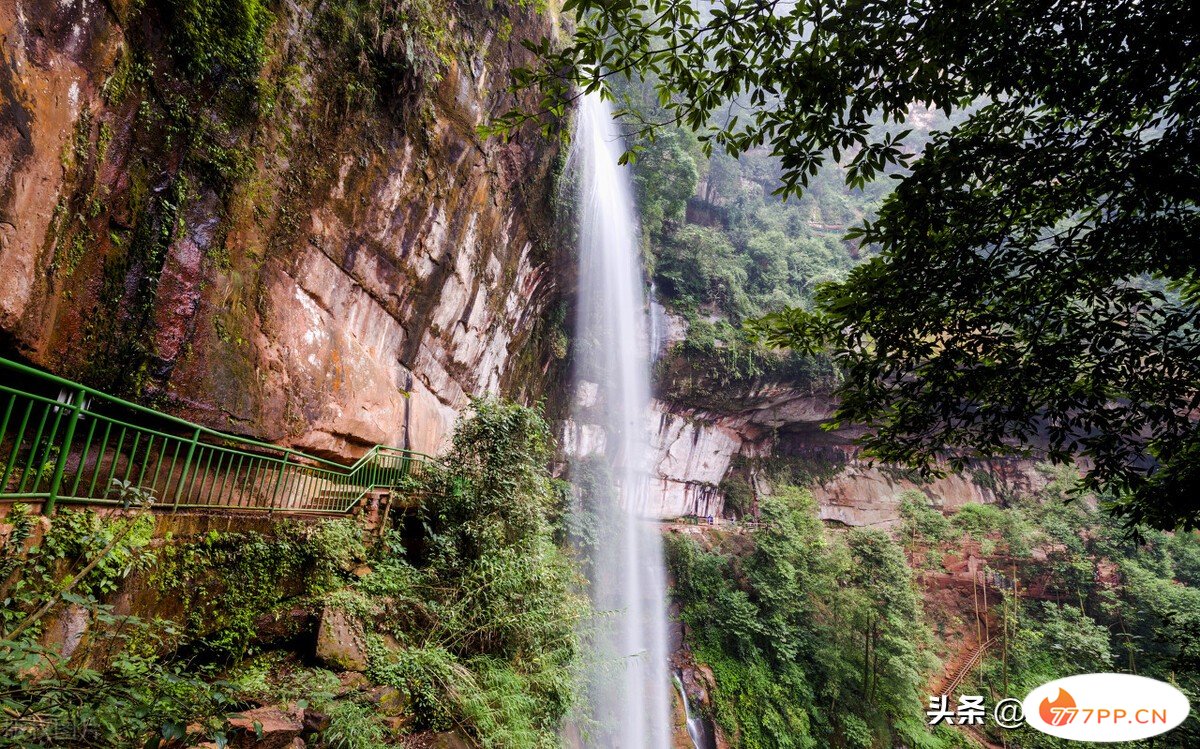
(627, 696)
(697, 728)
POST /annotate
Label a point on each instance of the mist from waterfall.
(628, 692)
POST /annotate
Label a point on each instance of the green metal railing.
(64, 442)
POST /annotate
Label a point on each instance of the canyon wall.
(704, 433)
(278, 221)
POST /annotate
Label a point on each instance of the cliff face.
(276, 220)
(743, 429)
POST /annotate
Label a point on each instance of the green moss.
(226, 581)
(219, 37)
(399, 46)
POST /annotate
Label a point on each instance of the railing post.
(64, 452)
(187, 468)
(279, 481)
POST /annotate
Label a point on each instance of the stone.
(265, 728)
(315, 721)
(388, 700)
(281, 626)
(397, 724)
(448, 740)
(68, 628)
(341, 642)
(352, 681)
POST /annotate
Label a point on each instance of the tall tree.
(1035, 288)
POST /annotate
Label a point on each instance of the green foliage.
(701, 370)
(814, 641)
(336, 547)
(219, 36)
(396, 46)
(491, 490)
(225, 581)
(486, 622)
(1035, 280)
(922, 519)
(352, 726)
(666, 176)
(1091, 599)
(739, 495)
(133, 700)
(75, 539)
(978, 520)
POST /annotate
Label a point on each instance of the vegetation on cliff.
(1035, 287)
(815, 639)
(470, 621)
(1088, 597)
(824, 637)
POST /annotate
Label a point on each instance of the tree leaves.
(1017, 304)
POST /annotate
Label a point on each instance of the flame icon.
(1056, 713)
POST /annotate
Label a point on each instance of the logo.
(1059, 712)
(1105, 708)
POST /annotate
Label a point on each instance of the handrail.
(86, 446)
(966, 667)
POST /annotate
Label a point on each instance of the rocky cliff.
(276, 219)
(743, 428)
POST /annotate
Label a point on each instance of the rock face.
(266, 728)
(308, 252)
(341, 643)
(695, 449)
(869, 495)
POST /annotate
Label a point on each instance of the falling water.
(629, 688)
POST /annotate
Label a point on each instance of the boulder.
(315, 721)
(448, 740)
(388, 701)
(341, 642)
(266, 728)
(352, 681)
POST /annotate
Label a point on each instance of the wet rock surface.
(361, 273)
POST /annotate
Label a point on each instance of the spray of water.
(628, 692)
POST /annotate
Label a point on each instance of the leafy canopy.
(1035, 286)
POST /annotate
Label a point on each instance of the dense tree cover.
(486, 616)
(815, 639)
(743, 251)
(1091, 600)
(1017, 302)
(823, 638)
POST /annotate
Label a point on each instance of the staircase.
(951, 685)
(964, 668)
(61, 441)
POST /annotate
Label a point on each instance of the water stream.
(697, 728)
(628, 691)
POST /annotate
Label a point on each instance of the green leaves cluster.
(222, 37)
(814, 640)
(397, 47)
(483, 621)
(1034, 288)
(1091, 599)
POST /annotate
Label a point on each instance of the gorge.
(626, 522)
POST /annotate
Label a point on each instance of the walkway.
(64, 442)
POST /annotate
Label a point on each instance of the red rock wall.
(288, 257)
